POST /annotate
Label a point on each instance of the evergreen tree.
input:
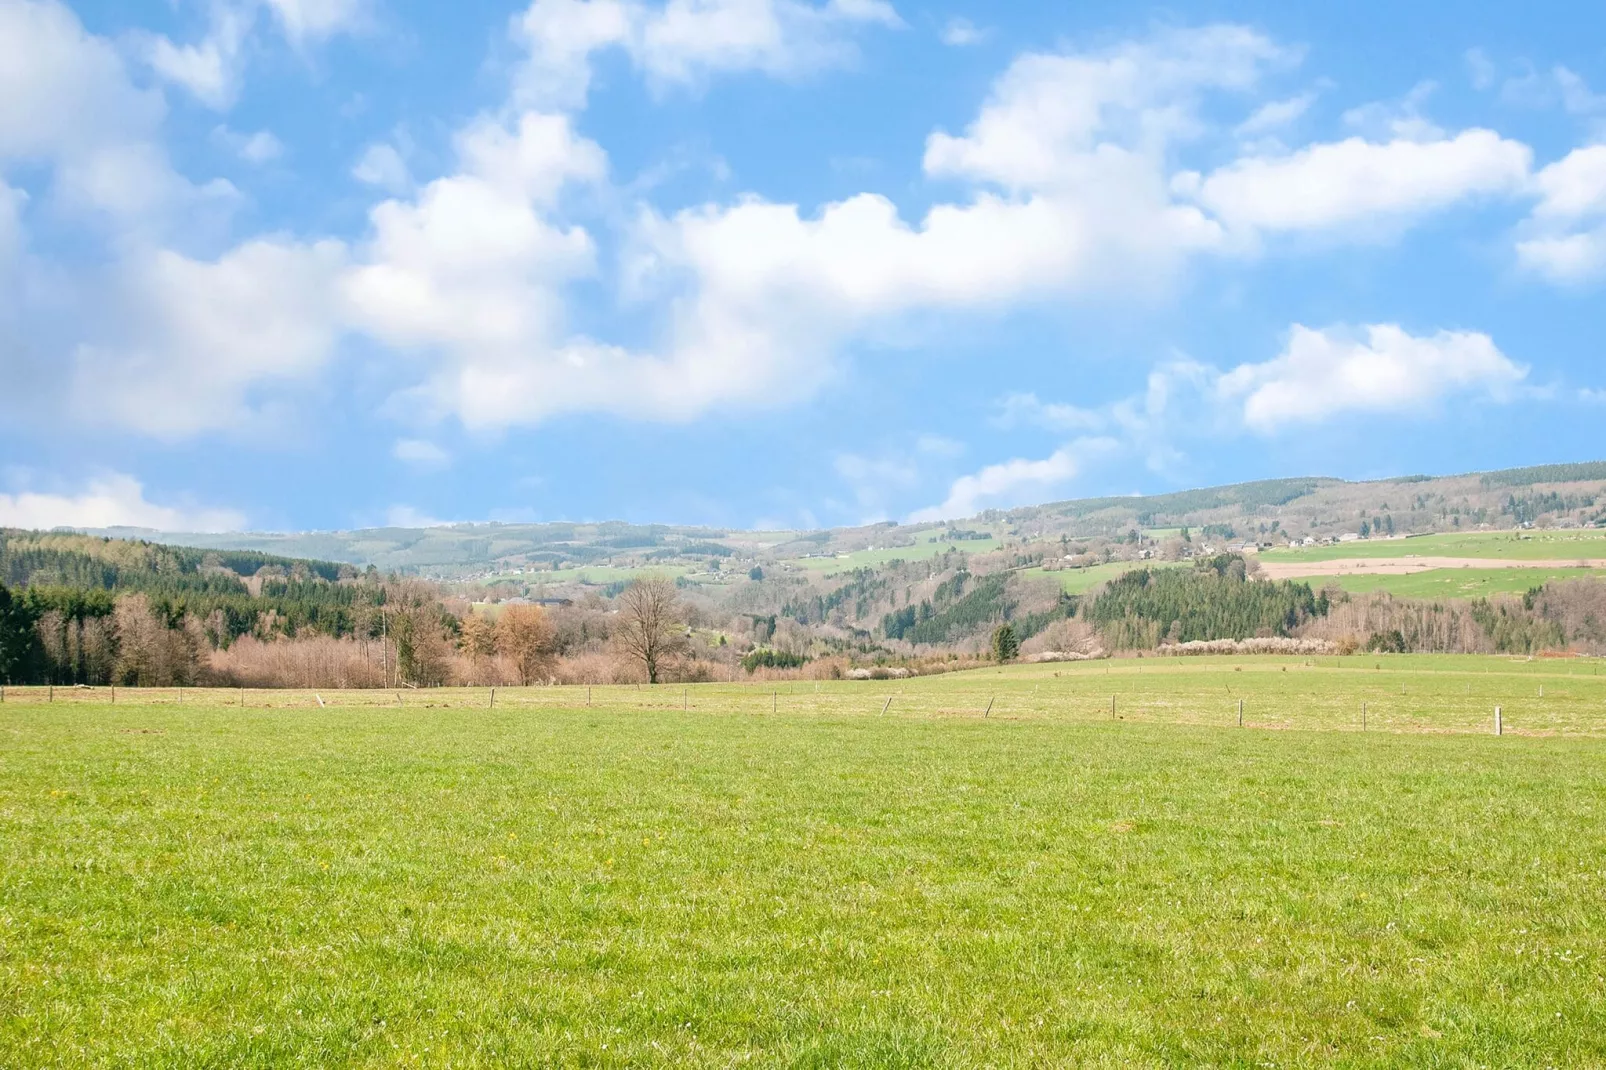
(1005, 646)
(17, 638)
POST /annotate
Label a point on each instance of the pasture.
(1441, 584)
(784, 875)
(1567, 545)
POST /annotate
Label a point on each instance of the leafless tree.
(650, 625)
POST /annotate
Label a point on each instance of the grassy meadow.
(1569, 545)
(784, 875)
(1447, 583)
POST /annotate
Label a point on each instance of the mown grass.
(684, 877)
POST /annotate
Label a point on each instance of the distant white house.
(1350, 536)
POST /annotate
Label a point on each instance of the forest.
(85, 610)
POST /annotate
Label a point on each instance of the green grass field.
(783, 876)
(1498, 545)
(1446, 583)
(1082, 580)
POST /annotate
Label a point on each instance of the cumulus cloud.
(1322, 374)
(1359, 183)
(203, 339)
(70, 106)
(316, 20)
(1051, 118)
(1069, 197)
(258, 148)
(1009, 483)
(213, 68)
(684, 41)
(1565, 237)
(766, 296)
(210, 69)
(961, 33)
(471, 268)
(110, 501)
(382, 165)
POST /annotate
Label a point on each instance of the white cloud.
(316, 20)
(66, 102)
(471, 268)
(1558, 87)
(420, 453)
(381, 165)
(684, 41)
(1275, 115)
(65, 91)
(1379, 369)
(1592, 397)
(210, 70)
(1052, 119)
(258, 148)
(261, 147)
(111, 501)
(204, 338)
(1359, 183)
(1565, 237)
(1573, 187)
(406, 516)
(1010, 483)
(1025, 410)
(764, 298)
(961, 33)
(1565, 258)
(1396, 120)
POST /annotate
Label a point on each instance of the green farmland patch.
(1001, 869)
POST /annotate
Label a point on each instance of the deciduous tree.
(650, 625)
(526, 637)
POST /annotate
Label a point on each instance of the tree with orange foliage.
(525, 636)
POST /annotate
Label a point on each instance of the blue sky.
(290, 264)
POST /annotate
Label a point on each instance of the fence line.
(1377, 706)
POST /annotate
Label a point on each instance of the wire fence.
(1308, 698)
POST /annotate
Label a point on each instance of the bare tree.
(649, 623)
(525, 636)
